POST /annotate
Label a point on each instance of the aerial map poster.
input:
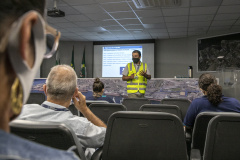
(216, 53)
(157, 88)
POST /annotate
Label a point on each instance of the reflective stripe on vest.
(136, 85)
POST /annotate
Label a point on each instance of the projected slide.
(115, 58)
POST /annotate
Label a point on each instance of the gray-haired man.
(60, 88)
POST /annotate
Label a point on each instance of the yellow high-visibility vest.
(139, 84)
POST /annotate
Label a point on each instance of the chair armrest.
(97, 155)
(195, 154)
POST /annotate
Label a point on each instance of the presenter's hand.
(80, 102)
(142, 73)
(132, 76)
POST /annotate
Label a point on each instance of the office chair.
(36, 98)
(183, 104)
(134, 104)
(222, 139)
(137, 135)
(173, 109)
(104, 111)
(53, 134)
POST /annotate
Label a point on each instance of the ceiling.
(106, 20)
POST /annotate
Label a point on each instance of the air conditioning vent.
(156, 3)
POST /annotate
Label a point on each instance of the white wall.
(65, 55)
(173, 56)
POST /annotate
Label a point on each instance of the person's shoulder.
(110, 100)
(231, 99)
(199, 99)
(31, 105)
(30, 150)
(90, 98)
(28, 107)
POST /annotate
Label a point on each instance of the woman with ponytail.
(98, 89)
(212, 101)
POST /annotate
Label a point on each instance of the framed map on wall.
(219, 52)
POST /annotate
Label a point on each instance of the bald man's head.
(61, 83)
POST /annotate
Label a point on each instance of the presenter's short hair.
(137, 51)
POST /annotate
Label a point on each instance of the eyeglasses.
(52, 41)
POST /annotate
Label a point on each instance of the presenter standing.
(136, 75)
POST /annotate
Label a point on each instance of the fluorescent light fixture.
(156, 3)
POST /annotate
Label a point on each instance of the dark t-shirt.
(100, 98)
(202, 104)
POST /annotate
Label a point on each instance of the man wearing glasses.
(22, 49)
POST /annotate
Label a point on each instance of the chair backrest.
(134, 104)
(144, 135)
(53, 134)
(223, 138)
(36, 98)
(104, 111)
(173, 109)
(74, 110)
(183, 104)
(88, 102)
(200, 129)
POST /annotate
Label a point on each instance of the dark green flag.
(72, 62)
(83, 66)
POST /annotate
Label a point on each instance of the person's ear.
(103, 90)
(45, 89)
(26, 48)
(204, 92)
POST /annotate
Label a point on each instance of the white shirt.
(90, 135)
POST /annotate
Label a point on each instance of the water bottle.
(190, 71)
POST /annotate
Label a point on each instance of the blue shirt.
(13, 147)
(100, 98)
(202, 104)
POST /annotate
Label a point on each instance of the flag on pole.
(72, 62)
(83, 73)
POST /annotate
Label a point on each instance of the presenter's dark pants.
(135, 95)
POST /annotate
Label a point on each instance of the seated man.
(60, 88)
